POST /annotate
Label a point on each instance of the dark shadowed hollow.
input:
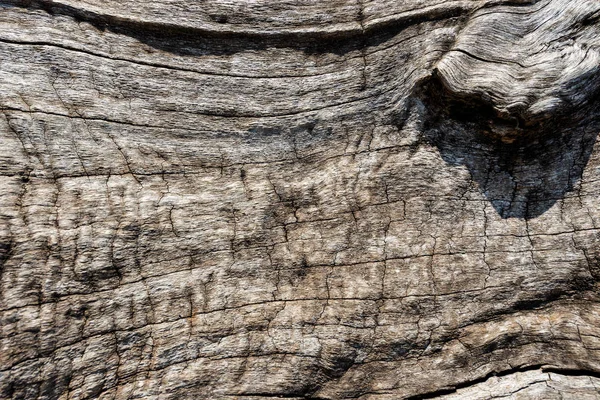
(530, 167)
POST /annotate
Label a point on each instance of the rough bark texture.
(342, 199)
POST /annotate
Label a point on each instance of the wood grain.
(299, 199)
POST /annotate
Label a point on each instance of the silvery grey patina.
(346, 199)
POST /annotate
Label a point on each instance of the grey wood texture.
(235, 199)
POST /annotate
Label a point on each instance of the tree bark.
(351, 199)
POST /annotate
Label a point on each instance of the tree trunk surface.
(342, 199)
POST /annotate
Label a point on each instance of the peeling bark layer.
(341, 200)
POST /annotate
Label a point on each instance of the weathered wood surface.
(346, 199)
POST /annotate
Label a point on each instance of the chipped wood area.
(349, 199)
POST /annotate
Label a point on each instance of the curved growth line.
(286, 36)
